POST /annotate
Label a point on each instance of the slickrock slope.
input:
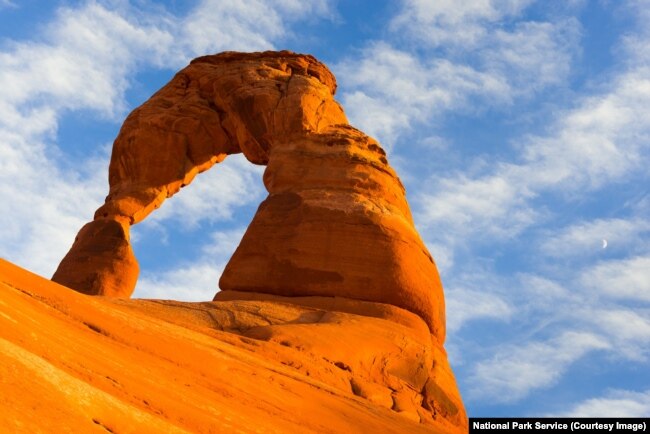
(74, 363)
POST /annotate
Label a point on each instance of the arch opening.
(183, 247)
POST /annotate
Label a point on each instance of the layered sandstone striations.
(334, 242)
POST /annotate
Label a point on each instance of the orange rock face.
(245, 363)
(336, 222)
(331, 252)
(103, 261)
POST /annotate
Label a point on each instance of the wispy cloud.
(615, 403)
(388, 89)
(449, 23)
(218, 25)
(517, 370)
(195, 280)
(466, 57)
(627, 278)
(192, 282)
(585, 238)
(599, 139)
(81, 62)
(533, 55)
(47, 205)
(491, 206)
(214, 195)
(604, 139)
(543, 296)
(580, 318)
(465, 305)
(627, 329)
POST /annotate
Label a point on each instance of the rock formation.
(335, 223)
(258, 363)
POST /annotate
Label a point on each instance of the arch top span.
(304, 64)
(219, 105)
(335, 222)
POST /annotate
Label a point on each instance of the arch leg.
(160, 149)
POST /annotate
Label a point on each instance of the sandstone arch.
(335, 223)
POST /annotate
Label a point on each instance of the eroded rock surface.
(331, 278)
(245, 363)
(336, 221)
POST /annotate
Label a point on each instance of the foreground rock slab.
(247, 363)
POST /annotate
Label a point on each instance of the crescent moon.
(604, 244)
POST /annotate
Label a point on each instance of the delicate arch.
(335, 223)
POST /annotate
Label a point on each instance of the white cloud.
(629, 331)
(302, 9)
(390, 89)
(214, 195)
(465, 305)
(218, 25)
(223, 244)
(387, 90)
(601, 140)
(493, 206)
(214, 25)
(453, 23)
(547, 304)
(604, 139)
(533, 55)
(45, 207)
(542, 292)
(585, 238)
(83, 66)
(516, 370)
(533, 306)
(192, 281)
(615, 403)
(620, 279)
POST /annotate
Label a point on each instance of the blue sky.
(520, 129)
